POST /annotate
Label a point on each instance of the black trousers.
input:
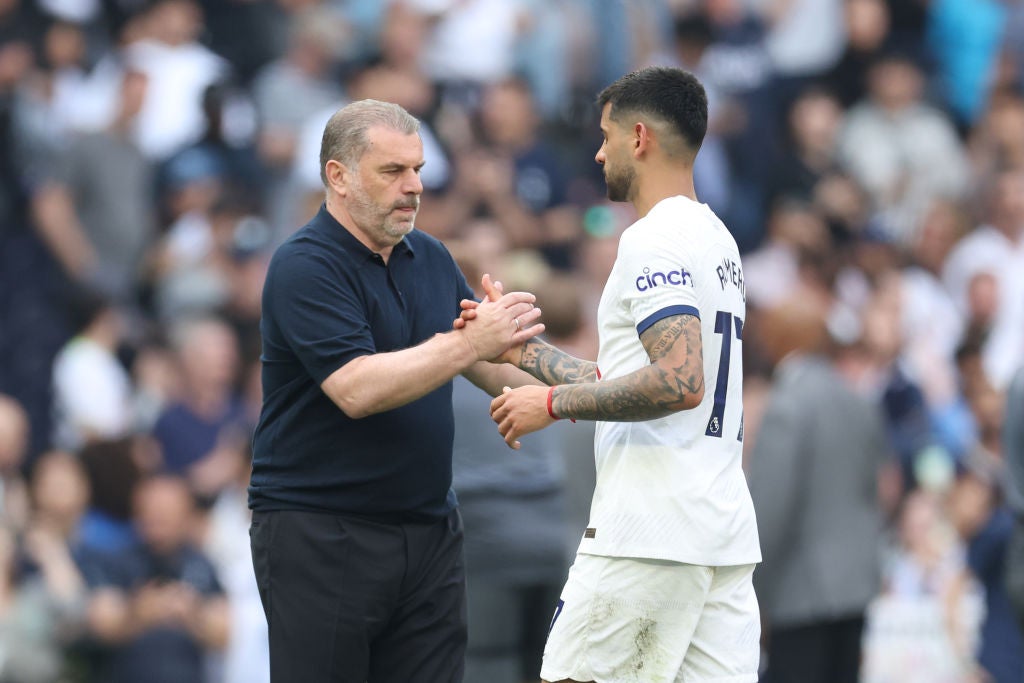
(823, 652)
(349, 600)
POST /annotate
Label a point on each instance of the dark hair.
(112, 471)
(666, 94)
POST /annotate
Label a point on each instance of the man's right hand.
(494, 294)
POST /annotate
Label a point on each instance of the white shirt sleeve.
(659, 280)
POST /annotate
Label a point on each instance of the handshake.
(515, 411)
(498, 327)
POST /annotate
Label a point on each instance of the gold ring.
(518, 326)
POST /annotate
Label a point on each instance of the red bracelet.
(551, 412)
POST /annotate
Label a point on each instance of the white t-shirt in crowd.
(673, 488)
(92, 394)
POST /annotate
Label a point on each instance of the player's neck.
(662, 183)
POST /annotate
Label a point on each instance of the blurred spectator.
(95, 211)
(14, 438)
(737, 66)
(890, 378)
(248, 34)
(178, 70)
(113, 468)
(924, 626)
(927, 303)
(813, 476)
(813, 125)
(289, 91)
(867, 28)
(965, 37)
(92, 390)
(214, 259)
(156, 379)
(53, 547)
(302, 82)
(548, 53)
(513, 177)
(713, 169)
(242, 240)
(903, 151)
(203, 434)
(774, 272)
(228, 138)
(997, 140)
(36, 611)
(486, 29)
(985, 524)
(806, 36)
(637, 26)
(1013, 456)
(66, 94)
(930, 332)
(184, 263)
(994, 252)
(60, 495)
(158, 604)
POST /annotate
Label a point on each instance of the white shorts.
(622, 620)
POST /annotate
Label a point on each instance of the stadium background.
(867, 154)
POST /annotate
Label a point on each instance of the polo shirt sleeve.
(317, 313)
(658, 280)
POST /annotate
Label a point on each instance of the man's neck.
(661, 183)
(342, 215)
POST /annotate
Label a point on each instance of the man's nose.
(412, 184)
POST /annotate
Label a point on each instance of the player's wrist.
(550, 405)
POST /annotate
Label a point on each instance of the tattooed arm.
(547, 363)
(551, 365)
(673, 381)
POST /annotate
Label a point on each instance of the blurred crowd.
(868, 156)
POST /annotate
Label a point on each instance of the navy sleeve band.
(642, 326)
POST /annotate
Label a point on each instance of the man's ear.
(337, 176)
(642, 138)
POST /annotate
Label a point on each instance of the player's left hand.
(520, 411)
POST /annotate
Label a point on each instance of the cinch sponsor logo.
(650, 280)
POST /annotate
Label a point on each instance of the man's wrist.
(551, 407)
(466, 351)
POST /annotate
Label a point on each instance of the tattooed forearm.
(674, 381)
(553, 366)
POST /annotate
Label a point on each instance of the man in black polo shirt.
(356, 538)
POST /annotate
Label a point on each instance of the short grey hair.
(345, 135)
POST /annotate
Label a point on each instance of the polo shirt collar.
(328, 225)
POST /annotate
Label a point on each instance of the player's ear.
(641, 138)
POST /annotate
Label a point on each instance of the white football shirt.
(673, 488)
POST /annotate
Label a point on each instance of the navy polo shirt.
(327, 300)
